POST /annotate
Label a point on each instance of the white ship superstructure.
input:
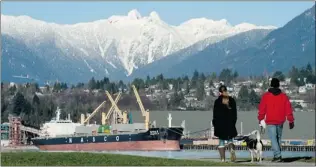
(59, 127)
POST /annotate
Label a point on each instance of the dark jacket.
(275, 107)
(224, 119)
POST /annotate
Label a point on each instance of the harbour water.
(200, 120)
(183, 154)
(206, 154)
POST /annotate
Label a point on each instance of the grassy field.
(95, 159)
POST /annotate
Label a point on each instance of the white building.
(302, 89)
(310, 86)
(300, 102)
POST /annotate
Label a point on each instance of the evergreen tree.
(309, 74)
(147, 83)
(97, 84)
(279, 75)
(210, 84)
(243, 95)
(235, 75)
(226, 76)
(139, 83)
(194, 79)
(175, 85)
(164, 85)
(254, 98)
(20, 105)
(12, 90)
(187, 87)
(174, 100)
(121, 85)
(36, 110)
(202, 77)
(106, 80)
(47, 88)
(160, 78)
(213, 76)
(36, 100)
(185, 78)
(309, 69)
(92, 84)
(200, 92)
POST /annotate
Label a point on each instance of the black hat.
(275, 83)
(222, 89)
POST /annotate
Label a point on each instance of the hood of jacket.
(275, 91)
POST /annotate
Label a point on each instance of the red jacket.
(275, 108)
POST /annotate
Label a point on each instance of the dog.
(254, 145)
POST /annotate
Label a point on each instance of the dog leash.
(262, 130)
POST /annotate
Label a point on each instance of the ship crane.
(122, 115)
(92, 114)
(107, 116)
(145, 113)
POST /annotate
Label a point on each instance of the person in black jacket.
(224, 122)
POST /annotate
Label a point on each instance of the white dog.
(254, 145)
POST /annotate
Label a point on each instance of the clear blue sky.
(259, 13)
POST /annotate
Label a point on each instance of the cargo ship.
(155, 139)
(120, 134)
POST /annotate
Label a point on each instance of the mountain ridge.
(291, 45)
(95, 51)
(125, 43)
(171, 66)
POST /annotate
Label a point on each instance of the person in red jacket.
(274, 109)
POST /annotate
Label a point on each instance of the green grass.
(95, 159)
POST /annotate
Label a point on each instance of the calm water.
(199, 120)
(190, 154)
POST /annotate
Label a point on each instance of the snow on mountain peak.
(204, 21)
(248, 26)
(245, 26)
(201, 28)
(124, 42)
(154, 15)
(224, 21)
(134, 14)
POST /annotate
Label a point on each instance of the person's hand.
(291, 125)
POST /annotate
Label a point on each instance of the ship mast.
(57, 113)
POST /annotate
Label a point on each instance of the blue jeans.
(275, 134)
(222, 142)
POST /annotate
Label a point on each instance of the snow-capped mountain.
(187, 60)
(250, 53)
(112, 47)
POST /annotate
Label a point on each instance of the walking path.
(269, 163)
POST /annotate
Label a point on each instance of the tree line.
(36, 105)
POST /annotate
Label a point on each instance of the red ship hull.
(156, 145)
